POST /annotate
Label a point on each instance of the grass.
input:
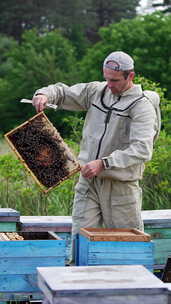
(19, 191)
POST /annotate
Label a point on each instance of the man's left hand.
(92, 168)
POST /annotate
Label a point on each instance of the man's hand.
(92, 168)
(39, 102)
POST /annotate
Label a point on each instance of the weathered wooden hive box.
(43, 152)
(62, 225)
(158, 224)
(101, 246)
(21, 253)
(9, 219)
(118, 284)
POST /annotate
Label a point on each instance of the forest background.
(44, 42)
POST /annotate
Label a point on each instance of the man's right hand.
(39, 102)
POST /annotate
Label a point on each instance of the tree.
(108, 11)
(87, 16)
(36, 62)
(146, 38)
(18, 16)
(6, 44)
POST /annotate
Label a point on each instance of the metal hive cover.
(43, 152)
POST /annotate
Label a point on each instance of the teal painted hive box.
(9, 219)
(20, 258)
(157, 223)
(100, 246)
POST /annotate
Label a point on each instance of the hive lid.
(157, 218)
(9, 215)
(43, 152)
(115, 234)
(97, 281)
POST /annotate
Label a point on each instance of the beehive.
(126, 284)
(158, 224)
(43, 152)
(20, 254)
(9, 218)
(62, 225)
(102, 246)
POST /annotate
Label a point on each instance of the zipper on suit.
(107, 119)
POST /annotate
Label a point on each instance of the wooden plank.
(46, 223)
(19, 284)
(8, 227)
(160, 218)
(28, 265)
(20, 297)
(67, 237)
(162, 250)
(159, 233)
(8, 212)
(9, 219)
(115, 234)
(120, 299)
(32, 248)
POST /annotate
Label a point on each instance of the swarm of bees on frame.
(43, 151)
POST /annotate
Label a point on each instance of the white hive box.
(123, 284)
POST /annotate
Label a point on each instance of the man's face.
(116, 81)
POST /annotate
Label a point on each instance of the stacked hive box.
(9, 218)
(20, 258)
(61, 225)
(158, 224)
(97, 246)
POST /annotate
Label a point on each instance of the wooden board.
(19, 260)
(45, 223)
(43, 152)
(101, 284)
(115, 234)
(9, 215)
(162, 244)
(8, 226)
(157, 218)
(21, 297)
(162, 249)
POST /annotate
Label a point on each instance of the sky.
(143, 2)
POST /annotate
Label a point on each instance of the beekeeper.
(120, 126)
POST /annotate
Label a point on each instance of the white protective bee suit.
(120, 129)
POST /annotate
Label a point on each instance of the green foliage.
(146, 38)
(6, 44)
(41, 60)
(157, 178)
(36, 62)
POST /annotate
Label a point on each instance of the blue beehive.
(100, 246)
(20, 258)
(61, 225)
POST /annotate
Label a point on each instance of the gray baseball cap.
(119, 61)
